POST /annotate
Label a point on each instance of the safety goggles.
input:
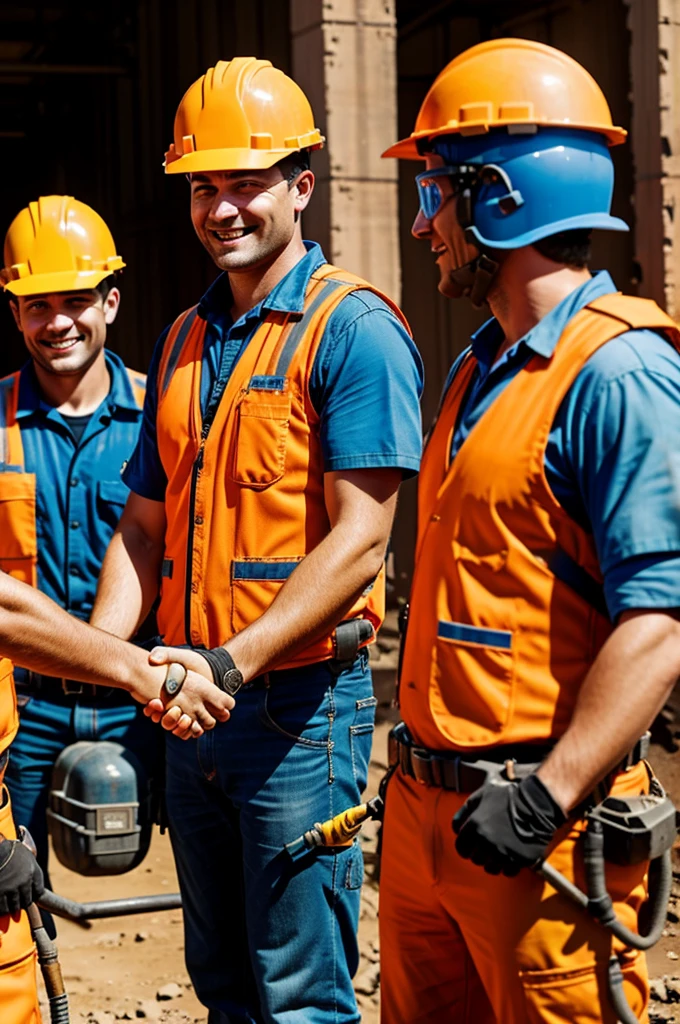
(429, 184)
(466, 180)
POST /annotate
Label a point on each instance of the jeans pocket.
(350, 867)
(361, 738)
(301, 714)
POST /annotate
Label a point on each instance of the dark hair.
(569, 247)
(293, 165)
(105, 286)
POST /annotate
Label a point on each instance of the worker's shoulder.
(641, 351)
(364, 305)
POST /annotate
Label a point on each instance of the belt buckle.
(70, 687)
(421, 766)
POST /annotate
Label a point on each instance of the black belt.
(464, 773)
(29, 682)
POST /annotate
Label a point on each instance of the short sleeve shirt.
(365, 384)
(613, 453)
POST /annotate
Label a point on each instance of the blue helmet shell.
(559, 179)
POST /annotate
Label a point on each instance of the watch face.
(172, 686)
(232, 681)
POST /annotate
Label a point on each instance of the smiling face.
(65, 331)
(246, 218)
(444, 233)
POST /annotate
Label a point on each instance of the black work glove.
(21, 880)
(506, 826)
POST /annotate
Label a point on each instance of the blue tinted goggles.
(429, 185)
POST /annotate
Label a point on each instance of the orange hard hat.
(510, 83)
(242, 114)
(57, 245)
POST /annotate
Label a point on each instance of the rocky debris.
(665, 989)
(367, 982)
(101, 1017)
(148, 1008)
(672, 955)
(141, 936)
(170, 991)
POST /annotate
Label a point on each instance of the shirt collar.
(288, 296)
(543, 337)
(120, 396)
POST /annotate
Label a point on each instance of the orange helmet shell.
(242, 114)
(514, 84)
(57, 245)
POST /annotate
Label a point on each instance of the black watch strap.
(225, 674)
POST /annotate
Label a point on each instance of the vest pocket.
(18, 540)
(471, 682)
(263, 418)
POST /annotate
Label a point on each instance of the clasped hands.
(198, 705)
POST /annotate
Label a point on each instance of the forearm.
(626, 687)
(36, 634)
(315, 598)
(128, 582)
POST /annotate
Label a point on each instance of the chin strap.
(473, 280)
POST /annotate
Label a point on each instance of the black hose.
(61, 906)
(618, 997)
(48, 958)
(600, 903)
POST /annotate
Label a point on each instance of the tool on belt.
(623, 831)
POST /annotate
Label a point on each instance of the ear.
(111, 305)
(304, 186)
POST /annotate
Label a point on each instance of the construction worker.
(281, 415)
(69, 420)
(543, 630)
(36, 633)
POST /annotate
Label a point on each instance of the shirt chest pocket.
(111, 498)
(261, 436)
(18, 540)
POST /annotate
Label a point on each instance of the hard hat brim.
(596, 221)
(228, 160)
(59, 281)
(407, 149)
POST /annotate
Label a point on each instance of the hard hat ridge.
(242, 114)
(57, 244)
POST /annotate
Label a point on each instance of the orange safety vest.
(18, 533)
(245, 494)
(498, 644)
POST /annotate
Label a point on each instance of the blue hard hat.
(530, 186)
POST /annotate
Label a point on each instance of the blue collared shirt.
(613, 454)
(79, 492)
(365, 384)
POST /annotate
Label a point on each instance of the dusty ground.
(132, 968)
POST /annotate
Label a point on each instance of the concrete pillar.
(655, 137)
(344, 57)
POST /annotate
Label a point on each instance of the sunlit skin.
(444, 233)
(249, 222)
(65, 333)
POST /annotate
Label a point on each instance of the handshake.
(196, 692)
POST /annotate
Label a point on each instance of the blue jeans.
(51, 722)
(267, 940)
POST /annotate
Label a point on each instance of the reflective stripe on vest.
(245, 497)
(501, 632)
(18, 545)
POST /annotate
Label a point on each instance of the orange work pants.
(459, 945)
(18, 988)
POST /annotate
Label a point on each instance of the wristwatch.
(174, 678)
(226, 676)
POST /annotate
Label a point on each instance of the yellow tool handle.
(341, 830)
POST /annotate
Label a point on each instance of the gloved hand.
(21, 880)
(505, 826)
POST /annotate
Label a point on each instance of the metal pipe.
(61, 906)
(48, 958)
